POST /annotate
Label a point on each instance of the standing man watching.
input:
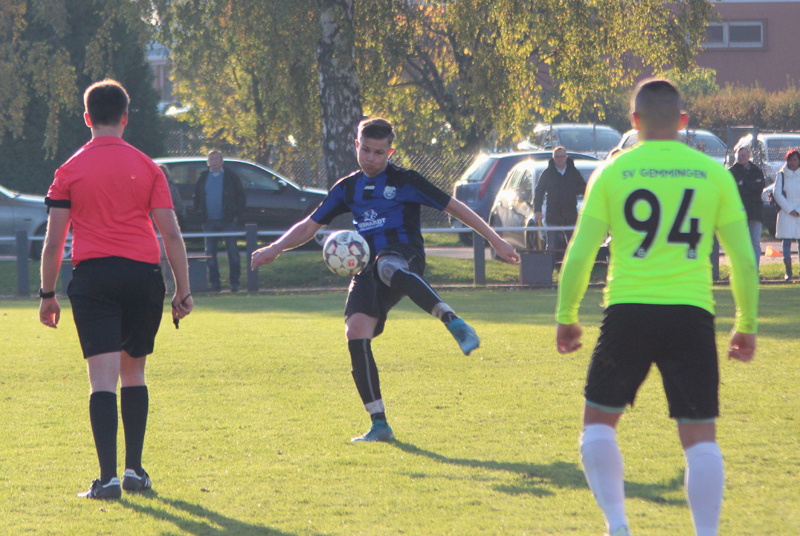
(385, 201)
(750, 180)
(219, 199)
(560, 184)
(109, 191)
(662, 202)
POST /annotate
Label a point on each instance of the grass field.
(253, 407)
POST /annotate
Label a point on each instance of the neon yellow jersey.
(662, 203)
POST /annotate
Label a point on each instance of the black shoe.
(97, 490)
(234, 288)
(131, 481)
(215, 288)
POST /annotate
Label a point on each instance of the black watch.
(43, 294)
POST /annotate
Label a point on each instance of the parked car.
(702, 140)
(23, 212)
(513, 206)
(479, 184)
(591, 139)
(769, 150)
(274, 203)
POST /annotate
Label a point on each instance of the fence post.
(23, 282)
(251, 231)
(479, 262)
(715, 260)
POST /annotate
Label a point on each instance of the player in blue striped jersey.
(385, 201)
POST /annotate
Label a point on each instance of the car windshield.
(478, 169)
(7, 192)
(777, 147)
(706, 143)
(588, 140)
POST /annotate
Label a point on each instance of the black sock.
(103, 416)
(378, 416)
(417, 289)
(134, 405)
(448, 317)
(365, 371)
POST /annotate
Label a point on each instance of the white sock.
(704, 480)
(602, 465)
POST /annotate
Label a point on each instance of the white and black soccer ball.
(345, 253)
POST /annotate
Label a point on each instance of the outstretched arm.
(744, 286)
(459, 210)
(299, 234)
(52, 252)
(182, 303)
(574, 279)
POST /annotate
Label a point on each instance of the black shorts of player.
(117, 304)
(369, 295)
(679, 339)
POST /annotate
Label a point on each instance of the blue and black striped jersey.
(385, 208)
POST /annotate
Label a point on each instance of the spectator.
(560, 185)
(219, 199)
(787, 195)
(750, 180)
(177, 202)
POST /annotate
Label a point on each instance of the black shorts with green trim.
(117, 304)
(679, 339)
(370, 296)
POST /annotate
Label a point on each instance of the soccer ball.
(345, 253)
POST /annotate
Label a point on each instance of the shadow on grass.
(202, 522)
(536, 478)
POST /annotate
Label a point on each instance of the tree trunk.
(339, 94)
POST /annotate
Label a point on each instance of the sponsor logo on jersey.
(370, 220)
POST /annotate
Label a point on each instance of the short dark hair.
(657, 102)
(106, 102)
(376, 128)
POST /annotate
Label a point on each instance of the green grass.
(253, 406)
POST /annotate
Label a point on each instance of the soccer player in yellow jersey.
(661, 202)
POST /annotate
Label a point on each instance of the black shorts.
(369, 295)
(117, 304)
(679, 339)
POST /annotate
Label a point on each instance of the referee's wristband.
(43, 294)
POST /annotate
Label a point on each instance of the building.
(158, 56)
(754, 41)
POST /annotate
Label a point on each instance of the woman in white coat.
(787, 195)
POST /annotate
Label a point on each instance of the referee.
(662, 202)
(108, 191)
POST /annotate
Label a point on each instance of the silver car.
(21, 212)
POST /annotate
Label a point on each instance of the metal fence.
(308, 170)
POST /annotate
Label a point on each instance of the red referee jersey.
(111, 188)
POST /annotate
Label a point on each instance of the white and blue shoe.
(380, 431)
(465, 336)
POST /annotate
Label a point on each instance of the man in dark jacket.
(560, 184)
(218, 200)
(750, 180)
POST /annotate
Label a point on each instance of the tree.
(483, 69)
(248, 71)
(49, 53)
(339, 93)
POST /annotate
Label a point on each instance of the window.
(735, 34)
